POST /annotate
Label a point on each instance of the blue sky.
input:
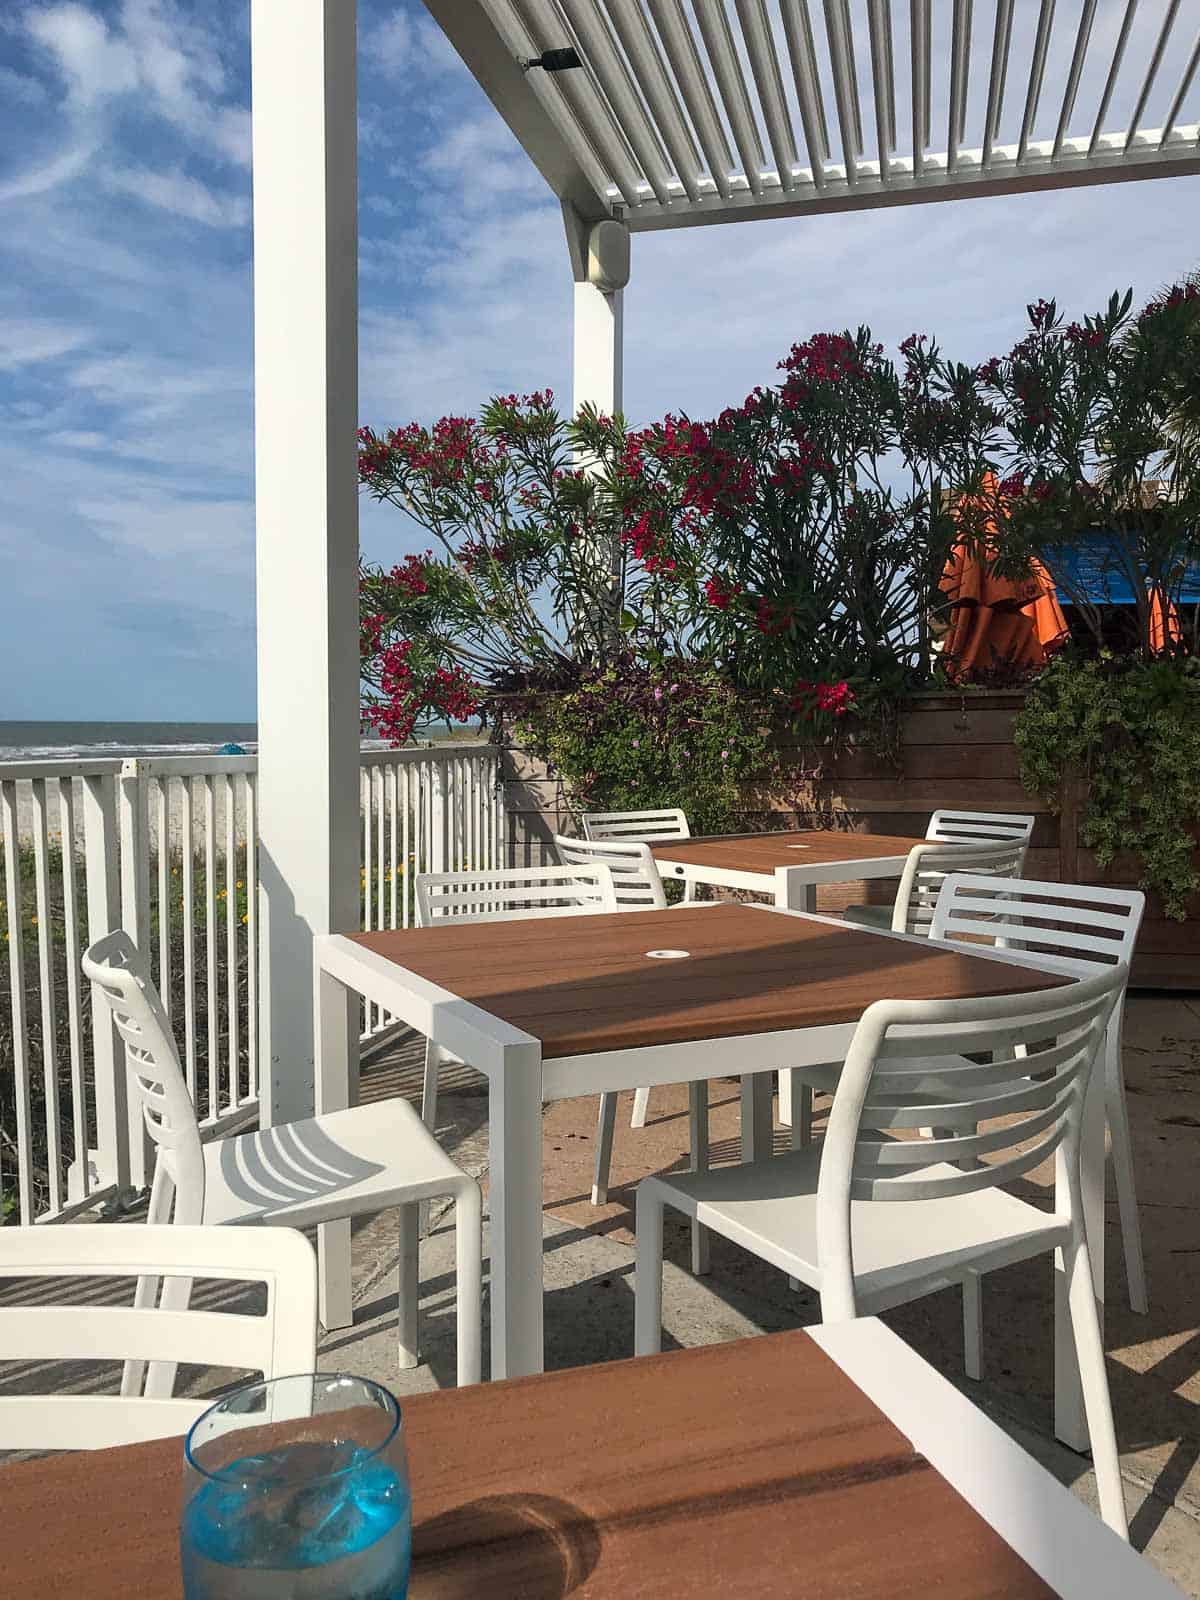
(126, 522)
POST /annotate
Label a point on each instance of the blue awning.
(1092, 566)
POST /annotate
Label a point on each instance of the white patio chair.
(504, 895)
(322, 1169)
(972, 827)
(872, 1221)
(57, 1326)
(644, 827)
(925, 871)
(640, 827)
(638, 887)
(1081, 929)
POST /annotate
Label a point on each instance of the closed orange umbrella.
(995, 621)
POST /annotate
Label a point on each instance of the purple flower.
(636, 743)
(658, 694)
(724, 755)
(674, 687)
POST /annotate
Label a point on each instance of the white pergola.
(677, 115)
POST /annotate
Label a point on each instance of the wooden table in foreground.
(823, 1464)
(552, 1008)
(788, 866)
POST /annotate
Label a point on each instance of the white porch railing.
(167, 848)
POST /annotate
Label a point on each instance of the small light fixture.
(554, 60)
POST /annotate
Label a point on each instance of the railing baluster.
(187, 841)
(45, 943)
(251, 934)
(233, 1052)
(163, 786)
(101, 850)
(16, 978)
(394, 821)
(212, 997)
(407, 844)
(73, 951)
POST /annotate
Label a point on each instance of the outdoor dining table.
(787, 866)
(826, 1463)
(552, 1008)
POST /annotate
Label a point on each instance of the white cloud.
(183, 195)
(389, 46)
(209, 533)
(155, 51)
(69, 163)
(17, 88)
(95, 62)
(25, 343)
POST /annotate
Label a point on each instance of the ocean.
(65, 741)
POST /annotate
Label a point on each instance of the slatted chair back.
(636, 880)
(117, 972)
(504, 894)
(1076, 927)
(1022, 1058)
(647, 827)
(56, 1325)
(968, 827)
(927, 866)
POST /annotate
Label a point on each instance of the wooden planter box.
(957, 752)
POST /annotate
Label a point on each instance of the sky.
(126, 437)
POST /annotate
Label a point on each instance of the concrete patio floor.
(1154, 1361)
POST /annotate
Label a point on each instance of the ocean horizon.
(68, 741)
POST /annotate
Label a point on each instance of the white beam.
(306, 513)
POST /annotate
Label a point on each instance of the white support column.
(598, 348)
(306, 494)
(599, 255)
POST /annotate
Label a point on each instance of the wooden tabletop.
(764, 852)
(755, 1469)
(583, 984)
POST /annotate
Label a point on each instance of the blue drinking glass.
(297, 1489)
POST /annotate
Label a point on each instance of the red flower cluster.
(795, 471)
(825, 358)
(989, 371)
(836, 699)
(1041, 314)
(1178, 294)
(719, 594)
(772, 617)
(370, 633)
(449, 692)
(1084, 337)
(410, 578)
(1012, 487)
(539, 400)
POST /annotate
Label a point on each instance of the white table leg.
(335, 1042)
(757, 1131)
(792, 895)
(1069, 1422)
(792, 892)
(515, 1203)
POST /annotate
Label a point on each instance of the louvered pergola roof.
(698, 111)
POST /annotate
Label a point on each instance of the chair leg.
(1097, 1403)
(1122, 1154)
(409, 1226)
(698, 1132)
(145, 1294)
(648, 1272)
(972, 1291)
(641, 1105)
(468, 1258)
(334, 1301)
(605, 1124)
(429, 1087)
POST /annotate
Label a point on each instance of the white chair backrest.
(504, 894)
(649, 827)
(965, 827)
(1037, 1051)
(635, 874)
(1075, 926)
(58, 1327)
(117, 972)
(925, 872)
